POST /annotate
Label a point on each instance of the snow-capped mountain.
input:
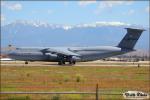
(31, 33)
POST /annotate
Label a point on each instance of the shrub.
(19, 98)
(79, 78)
(66, 79)
(28, 74)
(56, 97)
(73, 97)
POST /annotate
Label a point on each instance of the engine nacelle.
(51, 55)
(76, 58)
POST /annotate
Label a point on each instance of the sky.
(76, 12)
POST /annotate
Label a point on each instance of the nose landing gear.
(26, 62)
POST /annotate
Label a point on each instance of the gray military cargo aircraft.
(77, 54)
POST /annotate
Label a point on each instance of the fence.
(97, 93)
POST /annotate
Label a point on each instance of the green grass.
(18, 98)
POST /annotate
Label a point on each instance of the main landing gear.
(72, 62)
(63, 62)
(63, 59)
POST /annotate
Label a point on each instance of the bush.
(28, 74)
(79, 78)
(56, 97)
(73, 97)
(66, 79)
(19, 98)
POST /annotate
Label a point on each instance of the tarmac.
(93, 63)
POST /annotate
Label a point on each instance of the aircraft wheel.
(72, 62)
(26, 62)
(61, 62)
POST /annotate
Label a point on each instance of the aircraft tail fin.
(130, 39)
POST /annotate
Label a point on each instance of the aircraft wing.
(65, 52)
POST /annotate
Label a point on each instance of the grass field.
(72, 78)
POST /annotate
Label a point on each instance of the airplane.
(76, 54)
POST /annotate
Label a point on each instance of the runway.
(94, 63)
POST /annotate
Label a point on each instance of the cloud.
(103, 23)
(12, 6)
(16, 6)
(114, 23)
(85, 3)
(147, 9)
(109, 4)
(115, 3)
(105, 3)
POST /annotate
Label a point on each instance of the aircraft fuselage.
(86, 53)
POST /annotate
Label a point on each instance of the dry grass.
(114, 79)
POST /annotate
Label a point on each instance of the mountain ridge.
(44, 34)
(95, 24)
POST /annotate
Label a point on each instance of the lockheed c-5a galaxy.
(77, 54)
